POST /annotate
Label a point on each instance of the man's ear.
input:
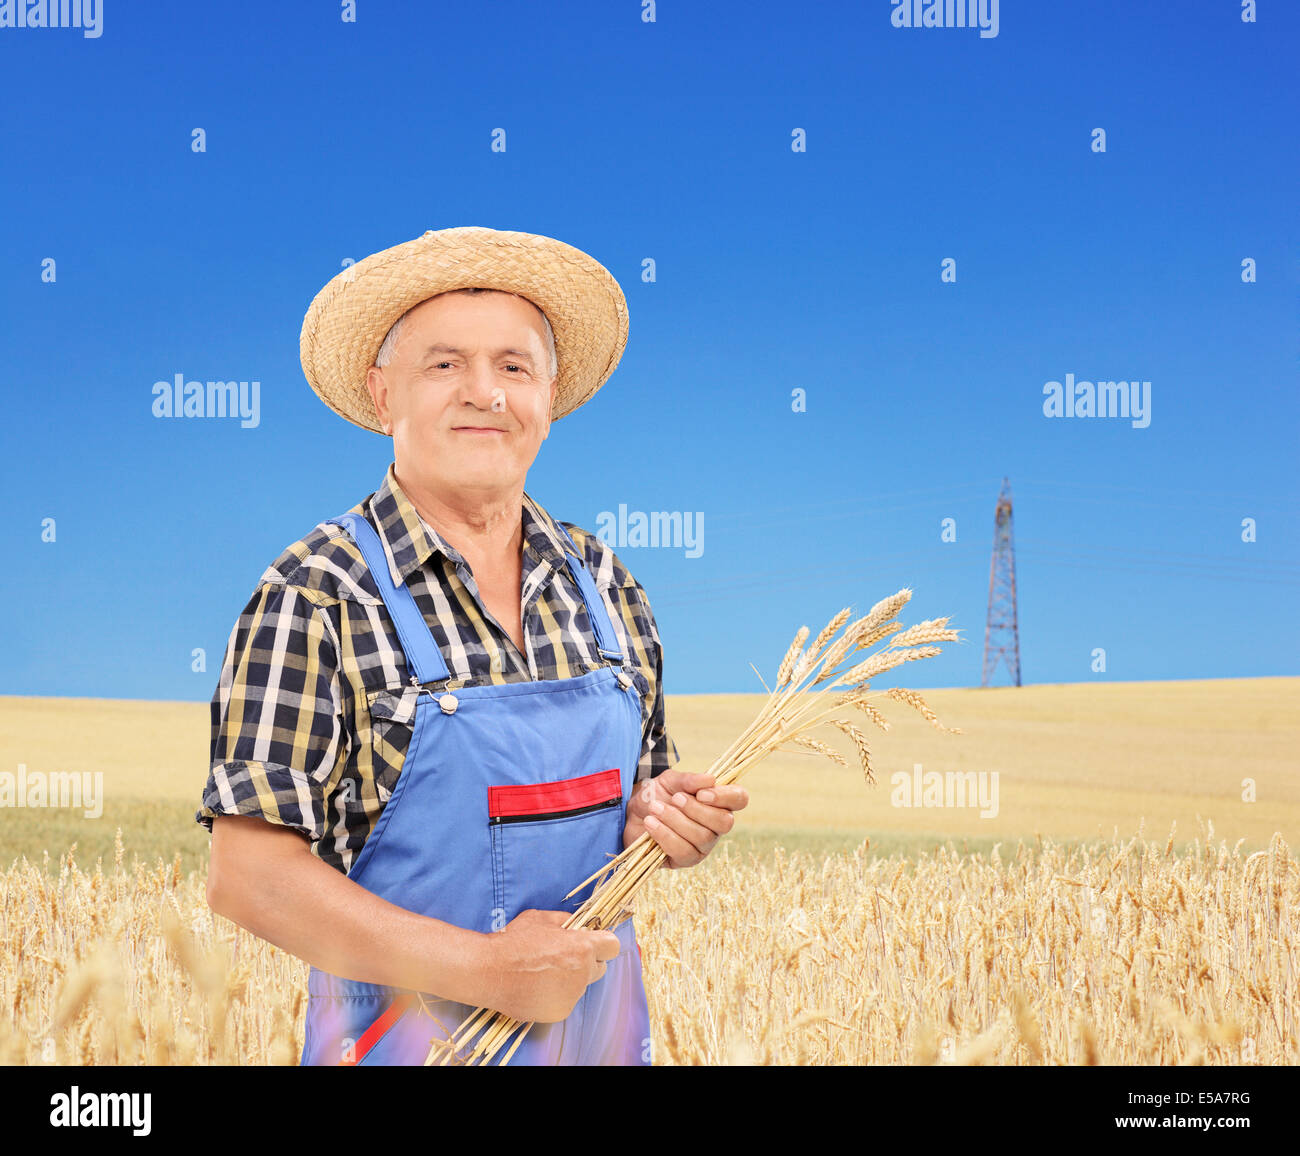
(378, 388)
(550, 405)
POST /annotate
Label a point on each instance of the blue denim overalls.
(509, 796)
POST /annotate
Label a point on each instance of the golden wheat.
(133, 967)
(1120, 952)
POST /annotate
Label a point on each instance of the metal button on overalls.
(509, 795)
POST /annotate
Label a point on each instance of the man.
(434, 711)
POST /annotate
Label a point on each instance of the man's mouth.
(477, 429)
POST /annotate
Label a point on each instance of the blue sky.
(776, 270)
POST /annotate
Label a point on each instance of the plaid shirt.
(313, 712)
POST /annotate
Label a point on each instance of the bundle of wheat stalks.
(793, 707)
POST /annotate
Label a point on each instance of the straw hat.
(349, 318)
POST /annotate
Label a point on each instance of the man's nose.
(479, 383)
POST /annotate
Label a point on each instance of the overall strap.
(606, 639)
(422, 654)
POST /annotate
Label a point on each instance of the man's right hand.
(541, 968)
(264, 877)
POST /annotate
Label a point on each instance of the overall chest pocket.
(547, 837)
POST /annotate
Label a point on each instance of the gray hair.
(385, 354)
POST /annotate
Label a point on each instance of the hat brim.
(349, 318)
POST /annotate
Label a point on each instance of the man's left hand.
(684, 813)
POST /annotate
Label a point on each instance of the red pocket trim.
(375, 1032)
(564, 795)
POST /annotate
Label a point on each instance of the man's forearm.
(267, 880)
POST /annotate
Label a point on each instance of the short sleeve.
(658, 751)
(277, 724)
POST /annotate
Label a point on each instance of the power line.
(857, 504)
(723, 589)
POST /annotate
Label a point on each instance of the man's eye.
(512, 366)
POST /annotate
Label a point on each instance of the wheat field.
(1128, 904)
(1121, 953)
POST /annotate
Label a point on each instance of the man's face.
(467, 395)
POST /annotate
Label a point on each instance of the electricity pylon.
(1001, 633)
